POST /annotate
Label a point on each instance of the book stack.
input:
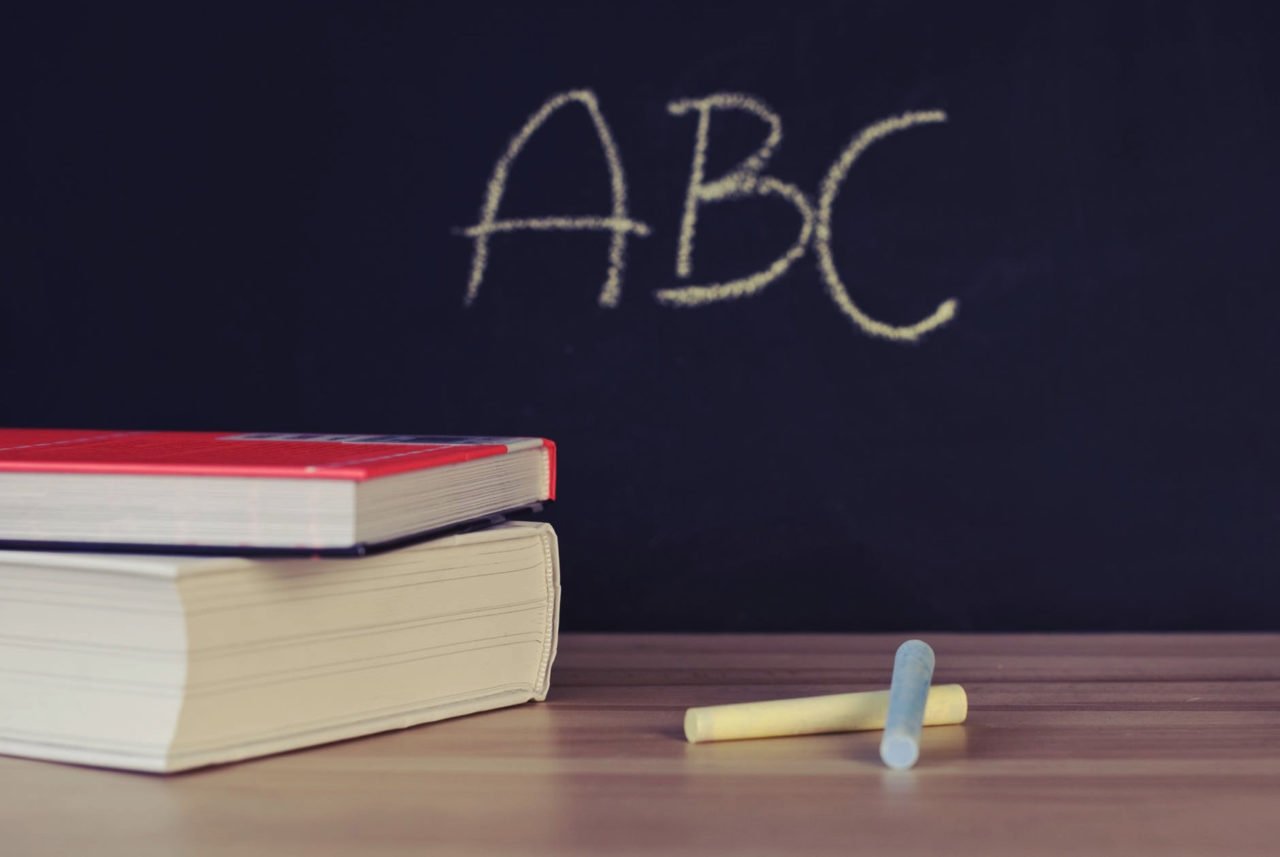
(174, 600)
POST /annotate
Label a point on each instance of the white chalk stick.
(908, 698)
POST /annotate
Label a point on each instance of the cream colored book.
(164, 663)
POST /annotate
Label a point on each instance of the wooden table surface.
(1075, 744)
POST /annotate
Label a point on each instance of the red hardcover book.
(258, 492)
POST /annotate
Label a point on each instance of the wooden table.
(1075, 744)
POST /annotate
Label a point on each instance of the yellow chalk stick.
(810, 715)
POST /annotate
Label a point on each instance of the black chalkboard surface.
(982, 339)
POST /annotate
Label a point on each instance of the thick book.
(258, 492)
(163, 663)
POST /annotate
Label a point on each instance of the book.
(164, 663)
(265, 492)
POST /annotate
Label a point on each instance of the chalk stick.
(811, 715)
(908, 696)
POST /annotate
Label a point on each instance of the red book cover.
(354, 457)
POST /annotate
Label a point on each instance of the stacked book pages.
(173, 600)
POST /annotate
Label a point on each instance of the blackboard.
(255, 217)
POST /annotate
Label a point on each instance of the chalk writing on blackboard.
(618, 223)
(744, 180)
(822, 237)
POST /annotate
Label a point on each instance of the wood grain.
(1076, 744)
